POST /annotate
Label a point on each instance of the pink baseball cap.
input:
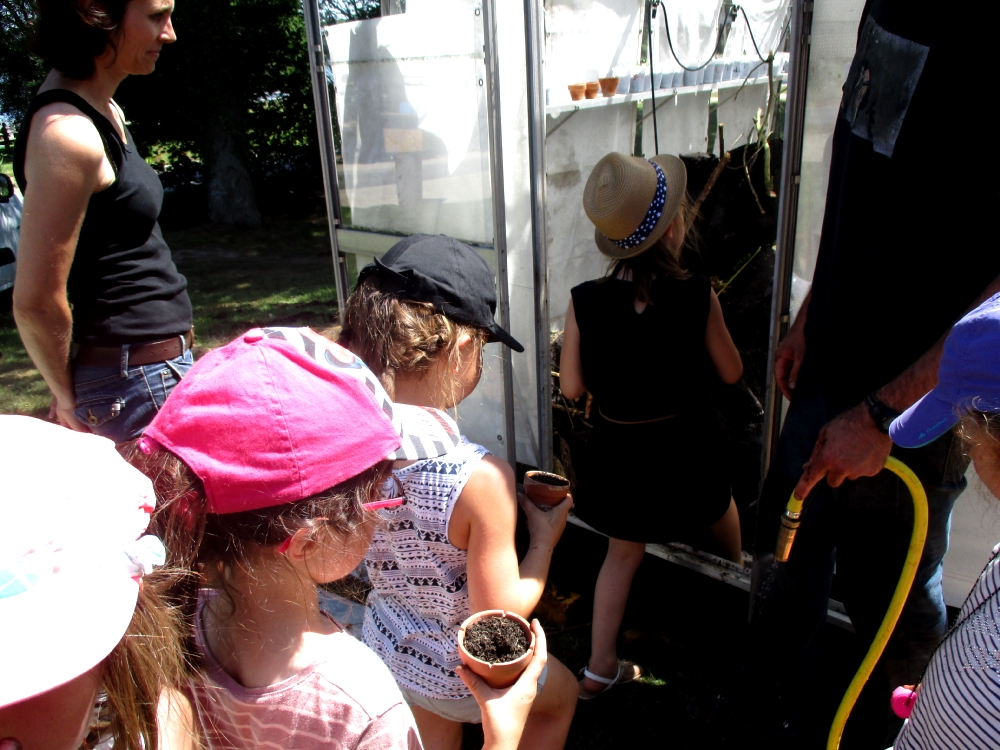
(71, 513)
(280, 414)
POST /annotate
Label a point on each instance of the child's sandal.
(627, 672)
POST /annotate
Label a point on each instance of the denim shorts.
(464, 710)
(119, 405)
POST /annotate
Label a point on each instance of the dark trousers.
(863, 528)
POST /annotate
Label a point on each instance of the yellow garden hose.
(790, 521)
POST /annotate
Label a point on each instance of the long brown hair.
(392, 335)
(660, 260)
(148, 665)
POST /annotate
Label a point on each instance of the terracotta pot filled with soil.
(545, 489)
(496, 645)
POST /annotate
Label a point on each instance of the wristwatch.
(881, 414)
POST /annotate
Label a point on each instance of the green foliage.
(242, 61)
(338, 11)
(20, 73)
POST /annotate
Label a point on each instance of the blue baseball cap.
(968, 379)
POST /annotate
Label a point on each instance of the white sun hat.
(71, 560)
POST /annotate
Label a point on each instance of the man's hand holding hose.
(848, 447)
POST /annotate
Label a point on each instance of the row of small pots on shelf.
(716, 71)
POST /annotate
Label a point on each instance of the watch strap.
(881, 414)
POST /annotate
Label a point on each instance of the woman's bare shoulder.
(60, 129)
(489, 490)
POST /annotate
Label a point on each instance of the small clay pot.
(577, 91)
(609, 85)
(591, 90)
(545, 489)
(496, 675)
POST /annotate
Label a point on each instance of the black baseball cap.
(446, 273)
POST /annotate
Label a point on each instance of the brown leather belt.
(641, 421)
(134, 355)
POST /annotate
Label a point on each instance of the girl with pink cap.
(268, 461)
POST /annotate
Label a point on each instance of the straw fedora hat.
(619, 199)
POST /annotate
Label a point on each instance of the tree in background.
(20, 73)
(230, 103)
(234, 90)
(232, 96)
(338, 11)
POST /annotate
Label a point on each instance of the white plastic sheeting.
(694, 30)
(681, 121)
(412, 112)
(585, 40)
(517, 206)
(411, 106)
(571, 152)
(413, 123)
(834, 38)
(768, 21)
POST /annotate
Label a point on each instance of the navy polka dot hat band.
(652, 215)
(632, 201)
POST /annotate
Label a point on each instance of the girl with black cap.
(645, 340)
(419, 319)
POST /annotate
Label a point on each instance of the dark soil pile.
(496, 640)
(549, 479)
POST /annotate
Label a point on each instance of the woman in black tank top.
(101, 308)
(644, 341)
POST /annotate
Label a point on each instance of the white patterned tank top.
(421, 592)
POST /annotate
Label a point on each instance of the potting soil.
(549, 480)
(496, 640)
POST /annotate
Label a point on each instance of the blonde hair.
(662, 258)
(147, 663)
(393, 336)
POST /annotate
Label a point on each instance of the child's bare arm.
(570, 369)
(719, 343)
(483, 523)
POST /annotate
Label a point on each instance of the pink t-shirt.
(348, 700)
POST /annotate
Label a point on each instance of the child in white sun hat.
(79, 604)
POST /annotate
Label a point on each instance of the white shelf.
(555, 110)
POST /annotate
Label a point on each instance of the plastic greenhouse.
(456, 116)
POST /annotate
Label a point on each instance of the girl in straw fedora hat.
(645, 340)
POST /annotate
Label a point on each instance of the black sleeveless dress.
(123, 284)
(644, 477)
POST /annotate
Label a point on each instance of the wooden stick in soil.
(711, 181)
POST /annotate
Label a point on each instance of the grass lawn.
(279, 275)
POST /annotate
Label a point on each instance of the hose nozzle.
(791, 517)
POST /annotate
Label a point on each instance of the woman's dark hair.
(71, 34)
